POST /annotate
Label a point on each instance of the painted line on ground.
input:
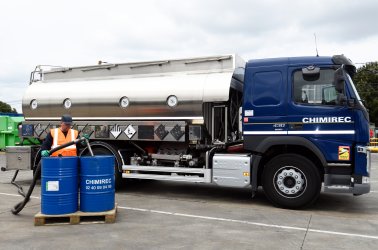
(250, 223)
(18, 195)
(235, 221)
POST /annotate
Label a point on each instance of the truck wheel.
(291, 181)
(101, 148)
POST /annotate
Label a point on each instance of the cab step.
(338, 189)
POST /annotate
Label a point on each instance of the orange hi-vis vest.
(60, 139)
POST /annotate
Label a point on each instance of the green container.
(7, 138)
(13, 123)
(2, 141)
(3, 123)
(9, 131)
(30, 141)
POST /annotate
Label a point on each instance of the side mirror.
(342, 99)
(339, 80)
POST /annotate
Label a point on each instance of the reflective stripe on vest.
(60, 139)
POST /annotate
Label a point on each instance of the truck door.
(264, 107)
(317, 112)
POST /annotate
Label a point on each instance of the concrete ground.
(163, 215)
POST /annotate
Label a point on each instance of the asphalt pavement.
(165, 215)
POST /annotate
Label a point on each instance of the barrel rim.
(97, 156)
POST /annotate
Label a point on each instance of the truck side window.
(263, 83)
(316, 92)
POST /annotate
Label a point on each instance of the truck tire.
(291, 181)
(101, 148)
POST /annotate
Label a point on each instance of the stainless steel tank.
(156, 90)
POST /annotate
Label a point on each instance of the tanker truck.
(288, 125)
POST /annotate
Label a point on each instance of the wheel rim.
(290, 182)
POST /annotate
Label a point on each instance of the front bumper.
(356, 185)
(359, 189)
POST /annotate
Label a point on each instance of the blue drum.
(97, 193)
(59, 185)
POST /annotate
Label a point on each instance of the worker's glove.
(45, 153)
(84, 142)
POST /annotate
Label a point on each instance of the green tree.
(366, 80)
(6, 108)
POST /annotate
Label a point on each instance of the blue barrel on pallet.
(97, 193)
(59, 185)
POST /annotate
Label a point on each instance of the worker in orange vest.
(60, 136)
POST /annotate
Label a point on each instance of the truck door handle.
(297, 126)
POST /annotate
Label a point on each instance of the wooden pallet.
(76, 218)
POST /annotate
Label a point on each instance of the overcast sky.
(74, 32)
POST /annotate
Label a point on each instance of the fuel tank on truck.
(154, 90)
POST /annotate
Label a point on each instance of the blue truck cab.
(305, 124)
